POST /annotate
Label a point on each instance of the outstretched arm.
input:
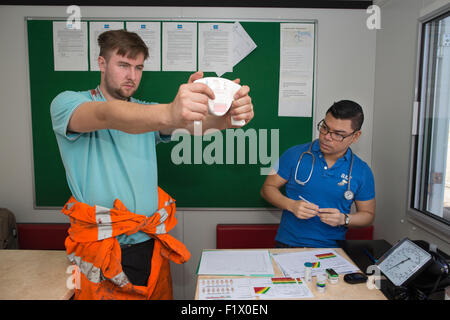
(190, 104)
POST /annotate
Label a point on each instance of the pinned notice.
(179, 46)
(70, 46)
(243, 44)
(95, 29)
(215, 47)
(150, 32)
(296, 70)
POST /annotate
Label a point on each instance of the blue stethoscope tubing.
(348, 194)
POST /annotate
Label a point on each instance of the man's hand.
(331, 216)
(190, 103)
(242, 107)
(303, 210)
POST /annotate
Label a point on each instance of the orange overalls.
(92, 246)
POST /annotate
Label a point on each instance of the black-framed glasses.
(323, 129)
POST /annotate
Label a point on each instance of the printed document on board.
(243, 45)
(70, 46)
(95, 29)
(179, 46)
(150, 32)
(296, 70)
(215, 47)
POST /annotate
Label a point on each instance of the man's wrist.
(345, 219)
(288, 205)
(167, 119)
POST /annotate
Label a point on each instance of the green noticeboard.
(234, 183)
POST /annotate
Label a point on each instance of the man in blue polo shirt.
(323, 179)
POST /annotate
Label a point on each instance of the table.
(357, 251)
(340, 291)
(34, 275)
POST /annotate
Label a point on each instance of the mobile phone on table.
(356, 277)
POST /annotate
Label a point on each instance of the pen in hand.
(304, 199)
(310, 205)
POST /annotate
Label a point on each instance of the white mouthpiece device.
(224, 91)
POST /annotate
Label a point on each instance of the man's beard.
(117, 93)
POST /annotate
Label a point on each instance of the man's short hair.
(348, 110)
(126, 43)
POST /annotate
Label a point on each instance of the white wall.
(397, 44)
(346, 69)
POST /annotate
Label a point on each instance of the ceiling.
(335, 4)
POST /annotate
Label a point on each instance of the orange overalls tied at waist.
(92, 246)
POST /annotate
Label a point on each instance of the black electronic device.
(415, 271)
(355, 278)
(432, 281)
(403, 262)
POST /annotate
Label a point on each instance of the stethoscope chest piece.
(349, 195)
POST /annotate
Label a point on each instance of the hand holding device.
(224, 91)
(189, 104)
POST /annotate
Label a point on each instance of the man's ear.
(356, 136)
(101, 63)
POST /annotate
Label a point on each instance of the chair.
(42, 236)
(257, 236)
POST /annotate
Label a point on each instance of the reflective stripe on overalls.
(92, 246)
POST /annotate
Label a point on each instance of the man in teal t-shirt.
(107, 139)
(92, 158)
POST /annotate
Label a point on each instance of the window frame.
(423, 219)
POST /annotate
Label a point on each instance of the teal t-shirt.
(108, 164)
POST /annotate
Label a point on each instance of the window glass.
(431, 189)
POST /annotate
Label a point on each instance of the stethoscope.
(348, 194)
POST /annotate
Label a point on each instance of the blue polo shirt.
(325, 188)
(108, 164)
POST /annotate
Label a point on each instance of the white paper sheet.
(236, 262)
(179, 46)
(270, 289)
(242, 43)
(292, 264)
(70, 47)
(225, 289)
(251, 288)
(296, 70)
(95, 29)
(215, 47)
(150, 32)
